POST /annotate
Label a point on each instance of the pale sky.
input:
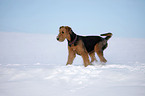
(124, 18)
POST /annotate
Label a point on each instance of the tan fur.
(93, 58)
(99, 52)
(80, 50)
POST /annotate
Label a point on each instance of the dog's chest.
(76, 49)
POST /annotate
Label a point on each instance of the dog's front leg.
(71, 56)
(85, 59)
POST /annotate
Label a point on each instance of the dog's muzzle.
(59, 39)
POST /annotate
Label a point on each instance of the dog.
(83, 45)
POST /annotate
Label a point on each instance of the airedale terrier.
(83, 45)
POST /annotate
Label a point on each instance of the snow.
(34, 65)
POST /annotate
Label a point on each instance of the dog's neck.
(73, 38)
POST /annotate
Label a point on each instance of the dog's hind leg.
(93, 58)
(99, 52)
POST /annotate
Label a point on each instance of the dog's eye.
(62, 32)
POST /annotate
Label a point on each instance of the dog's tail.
(108, 35)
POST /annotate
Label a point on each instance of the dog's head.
(64, 33)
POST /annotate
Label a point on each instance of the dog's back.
(91, 41)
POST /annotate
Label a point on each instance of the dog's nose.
(57, 38)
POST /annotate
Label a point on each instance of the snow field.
(33, 65)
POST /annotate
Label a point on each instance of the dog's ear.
(68, 29)
(61, 27)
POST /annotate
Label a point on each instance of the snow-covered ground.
(34, 65)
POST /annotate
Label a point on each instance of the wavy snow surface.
(34, 65)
